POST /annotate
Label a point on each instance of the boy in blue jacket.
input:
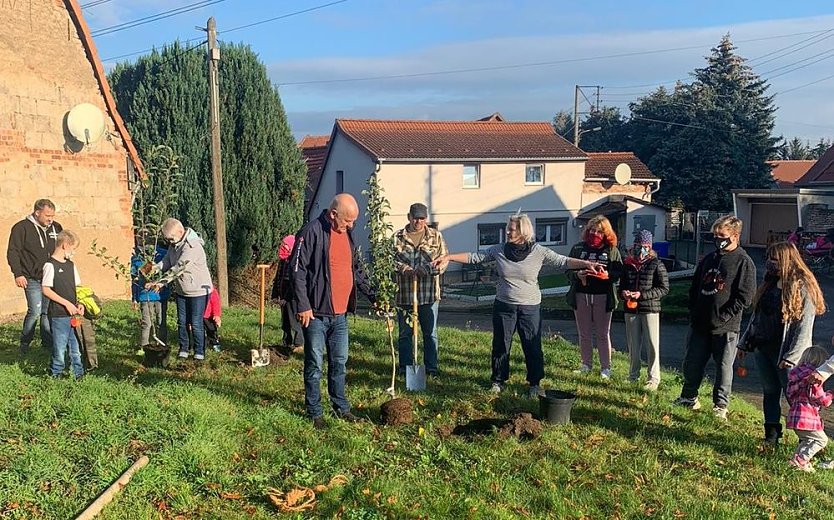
(153, 304)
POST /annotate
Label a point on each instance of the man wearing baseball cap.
(417, 246)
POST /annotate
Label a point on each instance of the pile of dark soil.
(397, 411)
(522, 426)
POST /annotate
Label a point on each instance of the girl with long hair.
(784, 308)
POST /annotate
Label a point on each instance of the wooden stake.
(107, 496)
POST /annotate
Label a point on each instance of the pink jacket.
(805, 399)
(213, 307)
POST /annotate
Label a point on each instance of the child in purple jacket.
(806, 397)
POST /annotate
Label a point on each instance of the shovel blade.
(415, 378)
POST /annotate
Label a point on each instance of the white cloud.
(536, 92)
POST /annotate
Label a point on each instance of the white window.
(491, 234)
(552, 231)
(534, 174)
(471, 176)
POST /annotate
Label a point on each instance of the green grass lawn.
(223, 430)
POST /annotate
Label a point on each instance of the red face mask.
(594, 241)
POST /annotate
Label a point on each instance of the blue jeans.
(774, 381)
(427, 316)
(330, 334)
(190, 310)
(507, 318)
(36, 306)
(63, 337)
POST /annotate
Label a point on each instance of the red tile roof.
(314, 141)
(98, 71)
(314, 150)
(786, 173)
(458, 140)
(822, 172)
(601, 165)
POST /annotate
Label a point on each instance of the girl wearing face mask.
(593, 297)
(780, 330)
(643, 284)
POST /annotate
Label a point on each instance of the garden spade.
(260, 357)
(415, 375)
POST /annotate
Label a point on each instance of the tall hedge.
(163, 98)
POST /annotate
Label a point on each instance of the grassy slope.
(227, 428)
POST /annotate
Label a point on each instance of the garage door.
(771, 217)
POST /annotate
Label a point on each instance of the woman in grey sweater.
(781, 327)
(518, 297)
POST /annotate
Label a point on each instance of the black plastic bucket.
(155, 356)
(556, 405)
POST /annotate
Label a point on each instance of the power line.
(94, 3)
(154, 17)
(818, 38)
(526, 65)
(294, 13)
(801, 66)
(253, 24)
(816, 34)
(797, 62)
(807, 84)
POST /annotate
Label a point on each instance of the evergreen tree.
(820, 148)
(612, 133)
(163, 98)
(715, 134)
(793, 150)
(563, 124)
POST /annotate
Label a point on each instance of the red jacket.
(213, 306)
(805, 400)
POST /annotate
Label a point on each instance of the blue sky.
(370, 38)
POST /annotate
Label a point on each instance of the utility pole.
(216, 169)
(576, 115)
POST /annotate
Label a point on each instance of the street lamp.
(582, 132)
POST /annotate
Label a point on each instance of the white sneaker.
(583, 369)
(692, 404)
(183, 354)
(651, 386)
(719, 412)
(605, 373)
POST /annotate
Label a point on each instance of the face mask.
(594, 241)
(721, 243)
(772, 267)
(640, 252)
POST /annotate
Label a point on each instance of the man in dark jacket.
(31, 243)
(722, 287)
(325, 275)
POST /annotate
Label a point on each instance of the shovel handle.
(262, 268)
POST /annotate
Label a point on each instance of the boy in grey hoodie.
(185, 264)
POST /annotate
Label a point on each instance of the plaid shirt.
(805, 400)
(412, 255)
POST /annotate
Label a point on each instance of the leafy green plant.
(382, 266)
(155, 200)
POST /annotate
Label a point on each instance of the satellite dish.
(85, 123)
(622, 174)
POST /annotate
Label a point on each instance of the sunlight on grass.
(223, 430)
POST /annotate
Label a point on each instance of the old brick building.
(48, 65)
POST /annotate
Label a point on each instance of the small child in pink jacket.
(806, 398)
(211, 320)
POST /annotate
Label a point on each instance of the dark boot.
(773, 432)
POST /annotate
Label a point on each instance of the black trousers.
(508, 318)
(212, 337)
(293, 333)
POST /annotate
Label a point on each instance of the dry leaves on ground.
(301, 499)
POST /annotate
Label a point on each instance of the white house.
(473, 174)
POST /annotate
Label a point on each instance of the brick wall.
(44, 72)
(818, 218)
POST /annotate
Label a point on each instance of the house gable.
(822, 172)
(48, 65)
